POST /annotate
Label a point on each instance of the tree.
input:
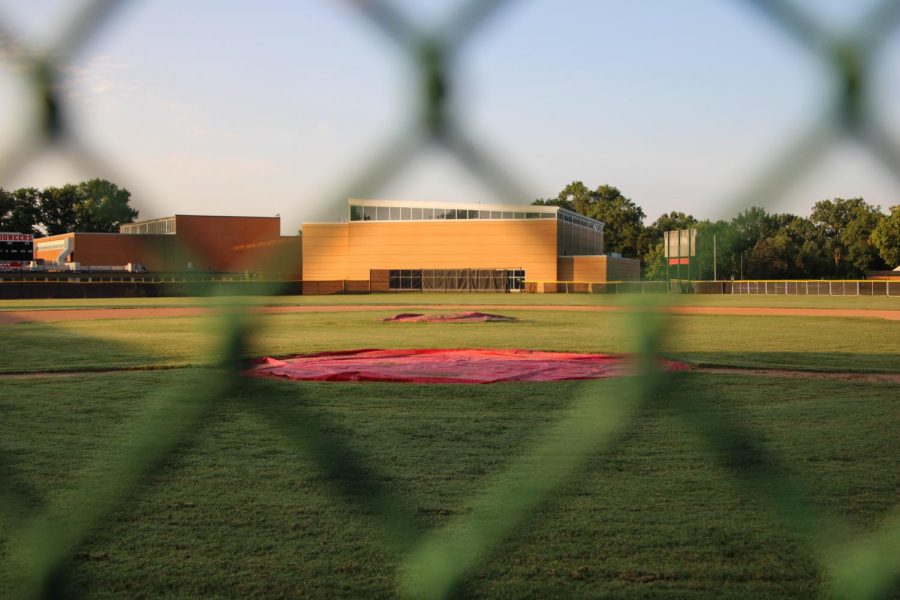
(19, 210)
(90, 206)
(103, 206)
(886, 238)
(844, 228)
(624, 220)
(57, 209)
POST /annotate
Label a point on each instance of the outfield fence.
(811, 287)
(39, 543)
(853, 287)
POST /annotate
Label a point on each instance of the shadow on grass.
(91, 347)
(802, 361)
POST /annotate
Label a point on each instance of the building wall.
(520, 244)
(325, 248)
(597, 269)
(207, 243)
(210, 242)
(282, 255)
(351, 250)
(49, 248)
(622, 269)
(156, 252)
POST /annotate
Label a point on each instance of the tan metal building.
(401, 245)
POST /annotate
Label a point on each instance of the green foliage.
(96, 205)
(57, 209)
(841, 238)
(886, 238)
(843, 229)
(103, 206)
(19, 210)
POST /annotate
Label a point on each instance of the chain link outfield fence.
(436, 562)
(764, 287)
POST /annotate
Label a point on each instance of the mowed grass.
(809, 343)
(472, 299)
(237, 511)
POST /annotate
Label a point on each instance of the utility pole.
(742, 265)
(714, 258)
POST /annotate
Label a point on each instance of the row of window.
(405, 213)
(456, 279)
(579, 220)
(161, 226)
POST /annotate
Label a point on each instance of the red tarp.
(449, 366)
(466, 317)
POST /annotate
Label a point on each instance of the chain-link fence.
(436, 562)
(781, 287)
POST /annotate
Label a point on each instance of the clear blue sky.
(225, 107)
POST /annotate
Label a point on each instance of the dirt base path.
(86, 314)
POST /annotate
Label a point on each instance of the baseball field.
(136, 463)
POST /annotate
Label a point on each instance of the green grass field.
(475, 299)
(242, 508)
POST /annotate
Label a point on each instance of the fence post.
(857, 287)
(829, 288)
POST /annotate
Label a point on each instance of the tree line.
(840, 238)
(96, 205)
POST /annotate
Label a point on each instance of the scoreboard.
(16, 248)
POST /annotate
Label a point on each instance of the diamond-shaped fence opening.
(437, 562)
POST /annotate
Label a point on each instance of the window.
(473, 214)
(484, 214)
(369, 213)
(508, 215)
(395, 213)
(417, 214)
(356, 213)
(405, 214)
(383, 213)
(515, 279)
(405, 280)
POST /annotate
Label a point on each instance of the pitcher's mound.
(466, 317)
(450, 366)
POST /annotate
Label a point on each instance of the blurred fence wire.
(437, 563)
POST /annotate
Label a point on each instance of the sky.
(276, 106)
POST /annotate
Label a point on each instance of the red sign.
(16, 237)
(679, 261)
